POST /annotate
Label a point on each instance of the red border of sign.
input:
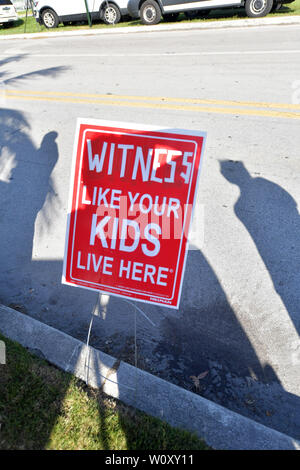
(123, 127)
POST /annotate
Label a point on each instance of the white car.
(8, 12)
(52, 12)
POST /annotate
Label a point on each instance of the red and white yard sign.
(132, 193)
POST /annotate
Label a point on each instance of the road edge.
(185, 26)
(218, 426)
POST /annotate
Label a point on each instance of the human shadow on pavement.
(25, 176)
(270, 215)
(24, 187)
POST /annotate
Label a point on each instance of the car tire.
(110, 14)
(276, 6)
(150, 12)
(171, 16)
(50, 19)
(193, 14)
(258, 8)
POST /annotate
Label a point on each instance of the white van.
(151, 11)
(52, 12)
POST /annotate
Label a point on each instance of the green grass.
(33, 27)
(42, 407)
(215, 15)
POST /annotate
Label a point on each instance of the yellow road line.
(157, 98)
(138, 104)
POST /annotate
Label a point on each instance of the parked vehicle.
(52, 12)
(151, 11)
(8, 14)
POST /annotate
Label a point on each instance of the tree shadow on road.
(52, 72)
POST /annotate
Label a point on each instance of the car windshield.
(5, 2)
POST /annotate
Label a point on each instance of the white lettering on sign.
(97, 230)
(142, 161)
(94, 162)
(144, 203)
(139, 160)
(142, 272)
(91, 261)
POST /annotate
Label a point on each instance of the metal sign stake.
(29, 5)
(88, 14)
(94, 312)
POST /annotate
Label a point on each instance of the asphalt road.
(239, 316)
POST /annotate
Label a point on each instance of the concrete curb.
(218, 426)
(186, 26)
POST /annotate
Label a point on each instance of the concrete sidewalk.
(218, 426)
(180, 26)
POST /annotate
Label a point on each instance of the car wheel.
(111, 14)
(150, 12)
(192, 14)
(258, 8)
(50, 19)
(171, 16)
(276, 6)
